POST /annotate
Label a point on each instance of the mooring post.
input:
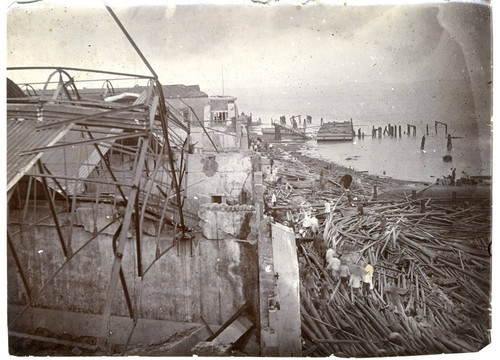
(422, 206)
(399, 130)
(414, 194)
(427, 128)
(422, 144)
(374, 195)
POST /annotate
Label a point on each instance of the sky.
(249, 45)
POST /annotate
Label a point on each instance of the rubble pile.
(385, 278)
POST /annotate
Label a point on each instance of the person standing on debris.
(344, 273)
(346, 181)
(322, 180)
(321, 302)
(310, 283)
(273, 199)
(355, 281)
(368, 280)
(333, 263)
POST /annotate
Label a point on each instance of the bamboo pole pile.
(431, 274)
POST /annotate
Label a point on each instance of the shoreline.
(387, 187)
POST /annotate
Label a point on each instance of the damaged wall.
(218, 174)
(213, 283)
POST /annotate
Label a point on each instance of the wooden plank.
(52, 340)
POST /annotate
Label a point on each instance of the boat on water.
(336, 131)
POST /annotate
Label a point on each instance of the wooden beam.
(52, 340)
(236, 315)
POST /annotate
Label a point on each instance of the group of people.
(354, 273)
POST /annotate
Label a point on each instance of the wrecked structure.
(130, 222)
(135, 222)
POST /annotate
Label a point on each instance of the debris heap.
(416, 274)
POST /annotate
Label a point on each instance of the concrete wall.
(220, 221)
(213, 283)
(223, 174)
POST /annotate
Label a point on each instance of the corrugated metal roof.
(75, 162)
(177, 91)
(22, 135)
(79, 161)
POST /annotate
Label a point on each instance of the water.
(401, 158)
(377, 104)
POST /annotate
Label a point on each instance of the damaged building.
(133, 226)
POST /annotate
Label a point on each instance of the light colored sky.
(257, 45)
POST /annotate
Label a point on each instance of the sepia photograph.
(252, 178)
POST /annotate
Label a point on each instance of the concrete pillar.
(267, 281)
(286, 269)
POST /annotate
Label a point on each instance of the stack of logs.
(431, 279)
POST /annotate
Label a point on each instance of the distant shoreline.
(387, 187)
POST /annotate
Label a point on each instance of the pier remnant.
(414, 129)
(436, 123)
